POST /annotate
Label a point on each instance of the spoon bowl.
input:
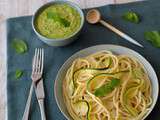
(93, 16)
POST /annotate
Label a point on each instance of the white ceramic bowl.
(115, 49)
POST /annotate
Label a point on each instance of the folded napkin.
(17, 90)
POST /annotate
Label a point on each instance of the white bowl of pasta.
(107, 82)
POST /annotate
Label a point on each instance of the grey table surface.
(15, 8)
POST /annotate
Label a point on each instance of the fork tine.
(37, 61)
(42, 59)
(37, 65)
(34, 61)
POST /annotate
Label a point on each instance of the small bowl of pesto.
(58, 23)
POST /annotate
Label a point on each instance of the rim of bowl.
(138, 54)
(71, 4)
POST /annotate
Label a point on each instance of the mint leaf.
(56, 17)
(19, 45)
(18, 74)
(131, 17)
(107, 88)
(153, 37)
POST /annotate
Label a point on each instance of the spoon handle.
(120, 33)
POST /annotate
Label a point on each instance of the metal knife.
(40, 94)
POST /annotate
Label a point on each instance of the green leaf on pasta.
(107, 88)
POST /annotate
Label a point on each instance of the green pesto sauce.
(51, 26)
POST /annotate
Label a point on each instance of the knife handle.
(42, 109)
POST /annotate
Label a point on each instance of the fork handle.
(27, 107)
(42, 109)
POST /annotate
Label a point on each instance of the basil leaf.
(53, 15)
(18, 74)
(103, 90)
(107, 88)
(131, 17)
(50, 15)
(57, 18)
(114, 82)
(153, 37)
(65, 22)
(19, 45)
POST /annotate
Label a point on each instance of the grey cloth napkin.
(17, 90)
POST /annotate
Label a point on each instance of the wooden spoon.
(93, 16)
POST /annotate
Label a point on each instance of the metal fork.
(37, 66)
(37, 70)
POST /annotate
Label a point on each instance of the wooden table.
(14, 8)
